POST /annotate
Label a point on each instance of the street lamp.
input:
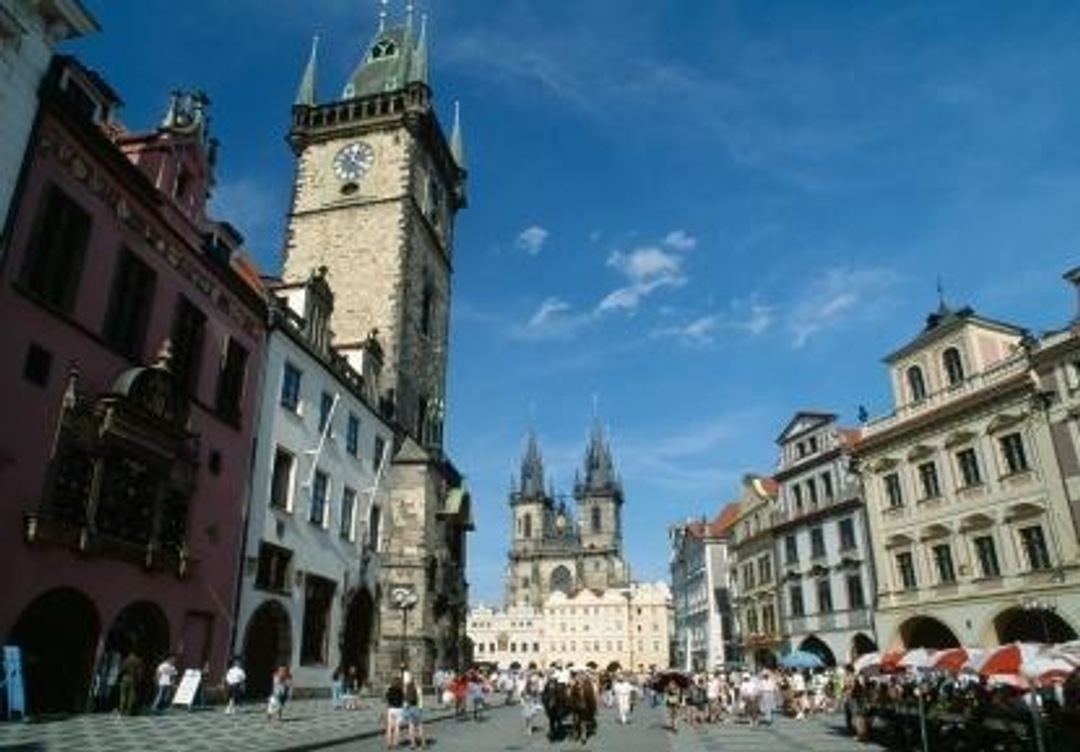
(404, 599)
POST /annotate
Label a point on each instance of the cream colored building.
(974, 540)
(624, 625)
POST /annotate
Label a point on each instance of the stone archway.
(267, 645)
(562, 581)
(58, 633)
(861, 644)
(1034, 624)
(142, 628)
(927, 632)
(357, 634)
(818, 647)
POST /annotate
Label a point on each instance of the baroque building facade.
(967, 487)
(133, 329)
(558, 548)
(314, 530)
(825, 560)
(377, 189)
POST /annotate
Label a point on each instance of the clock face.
(560, 522)
(354, 160)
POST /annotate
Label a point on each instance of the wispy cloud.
(532, 240)
(836, 297)
(680, 240)
(646, 270)
(748, 316)
(547, 312)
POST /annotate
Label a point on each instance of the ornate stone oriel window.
(122, 473)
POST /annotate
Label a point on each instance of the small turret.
(305, 94)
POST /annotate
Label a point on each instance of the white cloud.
(835, 298)
(752, 317)
(680, 240)
(548, 310)
(532, 239)
(647, 270)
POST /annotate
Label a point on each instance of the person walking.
(234, 685)
(131, 676)
(624, 692)
(395, 702)
(164, 678)
(672, 699)
(413, 711)
(279, 693)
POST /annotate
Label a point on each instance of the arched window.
(596, 520)
(954, 367)
(916, 384)
(528, 526)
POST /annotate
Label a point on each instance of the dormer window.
(954, 367)
(916, 384)
(384, 48)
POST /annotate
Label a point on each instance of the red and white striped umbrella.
(956, 659)
(1009, 659)
(917, 658)
(1067, 651)
(1046, 669)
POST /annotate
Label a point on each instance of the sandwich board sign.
(189, 685)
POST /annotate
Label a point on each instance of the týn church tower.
(378, 186)
(558, 548)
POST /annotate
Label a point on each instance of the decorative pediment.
(920, 452)
(934, 531)
(818, 570)
(1024, 510)
(882, 464)
(956, 438)
(976, 522)
(899, 540)
(1002, 421)
(804, 422)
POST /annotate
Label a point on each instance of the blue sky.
(692, 217)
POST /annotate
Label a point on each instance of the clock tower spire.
(376, 193)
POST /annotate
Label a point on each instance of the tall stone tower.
(378, 186)
(557, 548)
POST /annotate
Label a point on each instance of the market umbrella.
(867, 663)
(801, 659)
(956, 659)
(916, 658)
(1010, 658)
(1045, 668)
(1068, 651)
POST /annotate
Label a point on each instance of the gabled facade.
(973, 537)
(755, 572)
(825, 561)
(705, 632)
(133, 330)
(318, 494)
(378, 186)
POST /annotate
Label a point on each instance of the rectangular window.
(1034, 543)
(826, 486)
(764, 570)
(986, 553)
(811, 492)
(894, 497)
(37, 365)
(1012, 449)
(326, 409)
(797, 490)
(54, 258)
(230, 391)
(846, 529)
(796, 599)
(377, 455)
(281, 480)
(928, 480)
(188, 330)
(348, 514)
(748, 577)
(905, 568)
(352, 435)
(855, 597)
(272, 570)
(290, 387)
(968, 463)
(817, 543)
(791, 550)
(768, 617)
(320, 490)
(375, 518)
(130, 301)
(315, 637)
(943, 563)
(824, 597)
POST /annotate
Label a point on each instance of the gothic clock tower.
(378, 185)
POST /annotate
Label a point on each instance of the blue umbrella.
(802, 659)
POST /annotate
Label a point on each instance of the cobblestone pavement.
(307, 724)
